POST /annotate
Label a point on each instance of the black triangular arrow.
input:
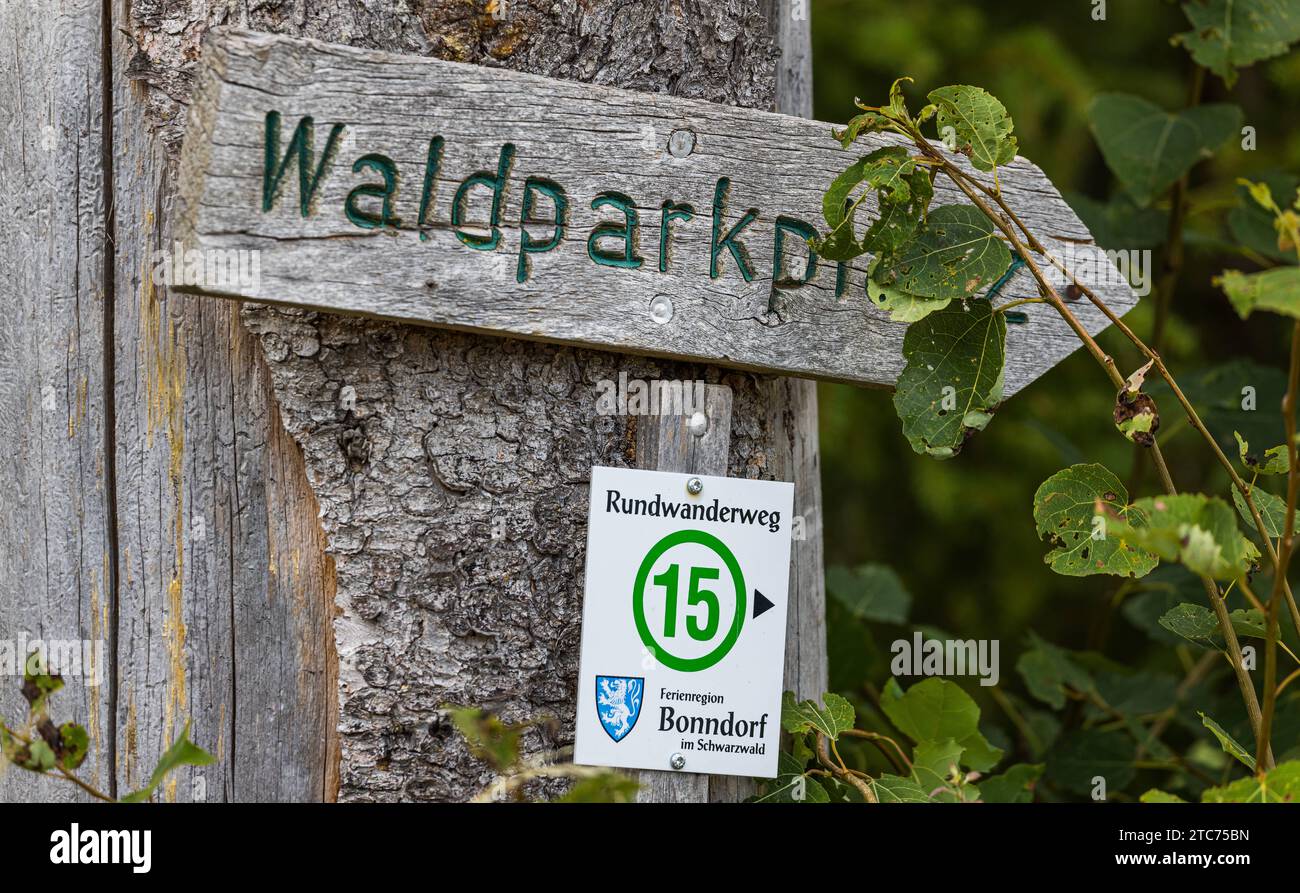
(761, 603)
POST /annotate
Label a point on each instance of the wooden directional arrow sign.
(482, 199)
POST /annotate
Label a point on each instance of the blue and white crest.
(618, 703)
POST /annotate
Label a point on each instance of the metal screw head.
(661, 309)
(681, 143)
(677, 761)
(699, 423)
(694, 486)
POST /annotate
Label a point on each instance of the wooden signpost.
(465, 197)
(484, 200)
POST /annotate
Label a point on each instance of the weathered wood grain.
(55, 521)
(667, 443)
(225, 596)
(591, 141)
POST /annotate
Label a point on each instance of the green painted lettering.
(728, 241)
(497, 184)
(626, 231)
(384, 166)
(671, 211)
(300, 146)
(431, 166)
(534, 186)
(805, 232)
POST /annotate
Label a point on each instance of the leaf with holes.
(901, 188)
(1197, 530)
(1272, 510)
(1274, 460)
(901, 306)
(1231, 34)
(980, 125)
(1065, 511)
(953, 255)
(952, 382)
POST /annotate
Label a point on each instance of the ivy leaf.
(896, 789)
(1275, 459)
(952, 382)
(1065, 509)
(1281, 785)
(1229, 744)
(1049, 672)
(1255, 227)
(1272, 510)
(1231, 34)
(1277, 290)
(1148, 148)
(935, 709)
(1198, 625)
(1197, 530)
(979, 121)
(833, 716)
(1015, 785)
(76, 744)
(870, 592)
(183, 752)
(953, 255)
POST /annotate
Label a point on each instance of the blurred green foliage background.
(960, 533)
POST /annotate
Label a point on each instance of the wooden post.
(671, 443)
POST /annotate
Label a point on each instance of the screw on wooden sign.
(461, 182)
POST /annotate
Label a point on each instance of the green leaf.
(1163, 589)
(896, 789)
(903, 192)
(980, 122)
(183, 752)
(952, 382)
(1049, 672)
(76, 744)
(607, 787)
(1197, 624)
(936, 709)
(1064, 512)
(870, 592)
(953, 255)
(901, 306)
(1231, 34)
(1272, 510)
(1229, 744)
(489, 739)
(1255, 227)
(1080, 757)
(1015, 785)
(1197, 530)
(867, 122)
(37, 688)
(1281, 785)
(39, 756)
(1277, 290)
(833, 716)
(1148, 148)
(1157, 796)
(935, 762)
(1274, 461)
(794, 788)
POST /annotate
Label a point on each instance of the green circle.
(661, 654)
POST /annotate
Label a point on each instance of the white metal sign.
(683, 625)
